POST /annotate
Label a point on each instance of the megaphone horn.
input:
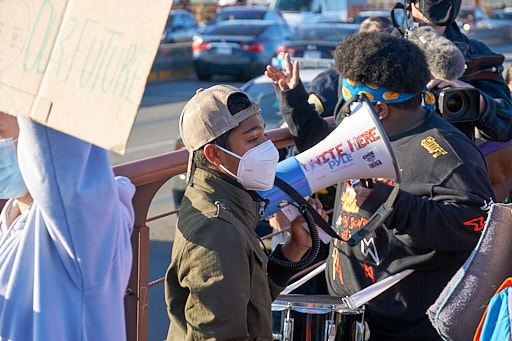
(357, 149)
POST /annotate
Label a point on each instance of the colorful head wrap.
(374, 93)
(429, 99)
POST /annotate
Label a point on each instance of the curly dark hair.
(385, 61)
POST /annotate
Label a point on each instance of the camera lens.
(454, 103)
(458, 104)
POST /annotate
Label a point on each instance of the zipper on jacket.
(263, 206)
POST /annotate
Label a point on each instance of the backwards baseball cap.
(206, 116)
(440, 12)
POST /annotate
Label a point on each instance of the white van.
(306, 11)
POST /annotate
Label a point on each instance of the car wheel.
(203, 76)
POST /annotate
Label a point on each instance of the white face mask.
(11, 182)
(257, 167)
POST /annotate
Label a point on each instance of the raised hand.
(285, 80)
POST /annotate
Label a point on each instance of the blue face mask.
(11, 182)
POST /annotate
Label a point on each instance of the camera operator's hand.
(440, 84)
(288, 80)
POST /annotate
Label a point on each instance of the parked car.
(371, 13)
(314, 44)
(262, 90)
(297, 12)
(502, 14)
(247, 12)
(181, 26)
(222, 3)
(241, 48)
(470, 16)
(496, 29)
(498, 20)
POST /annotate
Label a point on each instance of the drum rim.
(281, 304)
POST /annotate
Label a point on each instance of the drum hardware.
(349, 302)
(316, 317)
(288, 325)
(326, 318)
(330, 328)
(361, 331)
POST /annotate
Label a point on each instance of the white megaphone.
(357, 149)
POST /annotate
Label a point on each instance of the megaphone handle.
(376, 219)
(285, 187)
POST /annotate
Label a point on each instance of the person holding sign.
(443, 197)
(65, 250)
(220, 284)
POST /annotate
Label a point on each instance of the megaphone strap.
(377, 218)
(285, 187)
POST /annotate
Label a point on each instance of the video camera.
(458, 104)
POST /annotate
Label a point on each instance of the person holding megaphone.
(220, 284)
(444, 192)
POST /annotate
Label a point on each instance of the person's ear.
(382, 110)
(212, 154)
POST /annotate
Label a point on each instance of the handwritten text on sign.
(103, 62)
(79, 66)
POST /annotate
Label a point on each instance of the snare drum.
(316, 318)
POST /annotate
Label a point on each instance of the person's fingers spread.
(295, 73)
(282, 84)
(288, 64)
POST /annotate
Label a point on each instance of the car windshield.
(232, 15)
(362, 16)
(235, 30)
(169, 21)
(322, 34)
(294, 5)
(265, 96)
(466, 14)
(501, 16)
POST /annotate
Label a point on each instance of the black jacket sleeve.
(306, 127)
(450, 203)
(496, 122)
(423, 222)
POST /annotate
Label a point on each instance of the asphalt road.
(155, 132)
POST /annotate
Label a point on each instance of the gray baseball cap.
(206, 116)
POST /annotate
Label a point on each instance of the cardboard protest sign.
(79, 66)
